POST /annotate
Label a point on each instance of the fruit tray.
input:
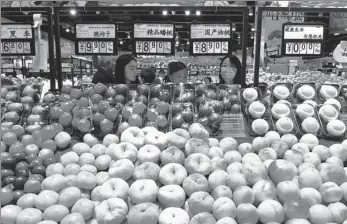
(184, 93)
(117, 93)
(274, 99)
(244, 101)
(159, 115)
(324, 125)
(102, 128)
(320, 99)
(297, 99)
(202, 92)
(15, 114)
(210, 115)
(182, 115)
(266, 116)
(295, 131)
(138, 93)
(320, 132)
(160, 92)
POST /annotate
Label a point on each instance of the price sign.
(95, 39)
(17, 39)
(210, 39)
(304, 39)
(154, 39)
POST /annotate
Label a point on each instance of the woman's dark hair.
(121, 62)
(234, 61)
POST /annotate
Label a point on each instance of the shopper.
(230, 70)
(148, 76)
(177, 73)
(207, 80)
(126, 70)
(104, 74)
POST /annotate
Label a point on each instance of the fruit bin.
(133, 113)
(300, 99)
(116, 93)
(210, 115)
(30, 92)
(160, 92)
(250, 94)
(182, 115)
(320, 133)
(138, 93)
(203, 92)
(159, 115)
(331, 95)
(274, 98)
(295, 130)
(252, 116)
(41, 109)
(324, 124)
(184, 93)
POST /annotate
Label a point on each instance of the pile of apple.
(182, 115)
(204, 92)
(210, 115)
(230, 96)
(184, 93)
(185, 177)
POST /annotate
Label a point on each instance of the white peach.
(143, 191)
(122, 168)
(172, 155)
(224, 207)
(148, 153)
(195, 182)
(198, 163)
(172, 173)
(147, 170)
(171, 196)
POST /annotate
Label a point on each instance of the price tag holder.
(95, 39)
(153, 39)
(17, 39)
(303, 39)
(210, 39)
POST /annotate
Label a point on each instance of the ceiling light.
(67, 30)
(250, 9)
(121, 42)
(198, 13)
(187, 42)
(73, 12)
(239, 37)
(128, 35)
(177, 43)
(187, 12)
(253, 29)
(164, 12)
(233, 27)
(336, 34)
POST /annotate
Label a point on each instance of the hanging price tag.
(5, 47)
(167, 47)
(309, 48)
(14, 39)
(26, 48)
(218, 47)
(225, 47)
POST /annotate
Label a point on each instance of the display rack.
(73, 68)
(126, 16)
(259, 21)
(25, 14)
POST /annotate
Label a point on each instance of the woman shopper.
(126, 70)
(230, 70)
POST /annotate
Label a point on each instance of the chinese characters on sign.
(95, 39)
(153, 39)
(151, 30)
(303, 39)
(210, 39)
(17, 39)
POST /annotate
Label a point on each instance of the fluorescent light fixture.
(336, 34)
(233, 27)
(187, 12)
(121, 42)
(164, 12)
(239, 37)
(198, 13)
(187, 42)
(73, 12)
(250, 9)
(67, 30)
(177, 43)
(128, 35)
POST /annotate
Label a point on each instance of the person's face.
(130, 71)
(179, 76)
(228, 71)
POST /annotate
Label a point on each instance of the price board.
(153, 39)
(210, 39)
(304, 39)
(95, 39)
(17, 39)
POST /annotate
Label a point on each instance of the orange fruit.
(65, 119)
(57, 128)
(4, 130)
(84, 125)
(106, 126)
(163, 108)
(97, 118)
(9, 138)
(67, 106)
(152, 114)
(162, 121)
(16, 147)
(83, 102)
(55, 112)
(18, 130)
(126, 112)
(49, 144)
(139, 108)
(64, 97)
(96, 98)
(135, 120)
(76, 93)
(103, 106)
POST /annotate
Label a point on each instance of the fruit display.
(138, 93)
(184, 93)
(249, 95)
(205, 92)
(282, 92)
(331, 121)
(133, 114)
(211, 115)
(283, 119)
(158, 115)
(307, 118)
(258, 117)
(230, 96)
(327, 92)
(183, 115)
(161, 92)
(304, 92)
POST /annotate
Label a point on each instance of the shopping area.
(199, 112)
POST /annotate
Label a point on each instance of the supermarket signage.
(95, 39)
(153, 39)
(303, 39)
(210, 39)
(17, 39)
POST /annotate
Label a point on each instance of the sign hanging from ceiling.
(304, 39)
(210, 39)
(17, 39)
(95, 39)
(154, 39)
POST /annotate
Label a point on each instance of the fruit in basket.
(281, 92)
(211, 94)
(122, 89)
(334, 102)
(76, 93)
(284, 125)
(110, 92)
(177, 108)
(133, 95)
(328, 113)
(155, 91)
(205, 110)
(336, 128)
(304, 111)
(260, 126)
(310, 125)
(96, 98)
(49, 98)
(328, 92)
(306, 92)
(250, 94)
(280, 110)
(162, 121)
(142, 99)
(27, 100)
(66, 89)
(29, 91)
(165, 96)
(143, 89)
(256, 109)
